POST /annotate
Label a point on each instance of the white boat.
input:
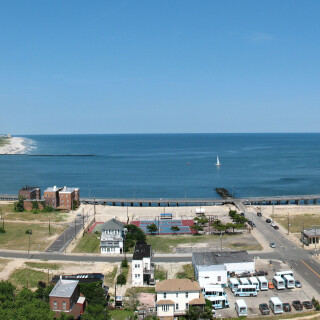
(218, 162)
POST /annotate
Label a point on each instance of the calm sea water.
(155, 165)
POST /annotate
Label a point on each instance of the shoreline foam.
(14, 146)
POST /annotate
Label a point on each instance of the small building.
(214, 267)
(65, 297)
(142, 265)
(30, 193)
(174, 296)
(310, 236)
(112, 237)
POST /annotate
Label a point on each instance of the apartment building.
(30, 193)
(174, 296)
(62, 198)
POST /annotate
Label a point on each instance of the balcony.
(148, 271)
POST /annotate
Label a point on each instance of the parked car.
(307, 304)
(298, 284)
(297, 305)
(264, 309)
(260, 273)
(270, 285)
(244, 275)
(268, 221)
(272, 244)
(286, 307)
(259, 214)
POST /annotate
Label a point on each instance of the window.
(177, 295)
(187, 294)
(187, 306)
(165, 308)
(55, 304)
(164, 295)
(137, 265)
(219, 278)
(137, 275)
(64, 305)
(177, 306)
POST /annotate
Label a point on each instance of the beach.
(14, 146)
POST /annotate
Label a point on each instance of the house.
(112, 237)
(174, 296)
(65, 297)
(214, 267)
(142, 265)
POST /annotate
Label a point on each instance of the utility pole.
(94, 209)
(75, 227)
(82, 218)
(29, 233)
(49, 227)
(273, 213)
(221, 241)
(303, 233)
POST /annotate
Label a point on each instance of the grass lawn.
(135, 290)
(16, 238)
(89, 243)
(110, 277)
(297, 221)
(55, 216)
(120, 314)
(27, 277)
(187, 273)
(160, 273)
(166, 244)
(43, 265)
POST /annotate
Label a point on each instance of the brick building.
(30, 193)
(68, 197)
(65, 297)
(51, 197)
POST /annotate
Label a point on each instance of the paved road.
(67, 236)
(298, 259)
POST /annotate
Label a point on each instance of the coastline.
(15, 145)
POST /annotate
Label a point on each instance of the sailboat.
(218, 164)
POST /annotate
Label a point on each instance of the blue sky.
(159, 66)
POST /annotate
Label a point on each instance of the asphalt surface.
(67, 236)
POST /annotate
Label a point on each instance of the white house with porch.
(112, 237)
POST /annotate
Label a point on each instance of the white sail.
(218, 162)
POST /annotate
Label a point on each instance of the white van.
(283, 273)
(254, 281)
(241, 308)
(233, 284)
(275, 305)
(244, 281)
(263, 283)
(278, 282)
(289, 281)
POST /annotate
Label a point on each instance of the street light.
(29, 233)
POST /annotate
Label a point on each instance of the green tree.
(95, 312)
(195, 313)
(175, 229)
(121, 279)
(18, 205)
(196, 228)
(135, 233)
(93, 292)
(201, 220)
(6, 291)
(124, 263)
(152, 228)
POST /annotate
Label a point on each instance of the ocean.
(156, 165)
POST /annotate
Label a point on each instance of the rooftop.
(68, 190)
(28, 188)
(51, 189)
(177, 285)
(64, 288)
(142, 250)
(214, 258)
(311, 232)
(112, 224)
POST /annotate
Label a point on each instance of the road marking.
(310, 268)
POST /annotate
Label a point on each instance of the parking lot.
(286, 295)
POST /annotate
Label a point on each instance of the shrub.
(2, 230)
(121, 279)
(124, 263)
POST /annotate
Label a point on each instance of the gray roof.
(213, 258)
(312, 232)
(112, 224)
(64, 288)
